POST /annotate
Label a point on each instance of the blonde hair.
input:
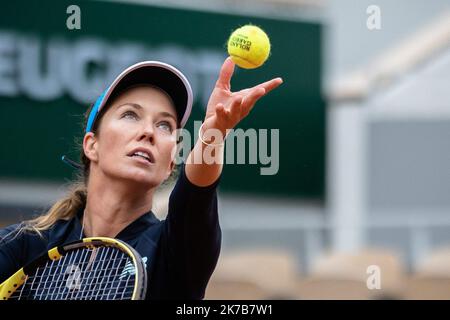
(63, 209)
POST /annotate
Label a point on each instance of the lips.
(143, 153)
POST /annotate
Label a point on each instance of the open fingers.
(230, 110)
(235, 108)
(270, 85)
(250, 99)
(252, 95)
(226, 72)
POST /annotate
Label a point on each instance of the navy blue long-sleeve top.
(180, 252)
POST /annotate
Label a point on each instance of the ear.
(173, 154)
(171, 167)
(90, 146)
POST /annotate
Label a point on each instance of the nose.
(148, 134)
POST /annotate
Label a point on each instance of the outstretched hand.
(226, 108)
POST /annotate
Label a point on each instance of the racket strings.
(86, 274)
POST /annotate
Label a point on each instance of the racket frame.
(13, 283)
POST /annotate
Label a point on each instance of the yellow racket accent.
(54, 254)
(57, 263)
(10, 285)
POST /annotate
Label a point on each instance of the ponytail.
(64, 209)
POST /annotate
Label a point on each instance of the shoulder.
(19, 246)
(19, 234)
(10, 232)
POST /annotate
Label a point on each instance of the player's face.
(137, 137)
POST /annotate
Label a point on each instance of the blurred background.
(360, 206)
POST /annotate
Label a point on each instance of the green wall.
(37, 127)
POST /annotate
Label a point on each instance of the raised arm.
(224, 111)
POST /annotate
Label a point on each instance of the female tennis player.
(127, 153)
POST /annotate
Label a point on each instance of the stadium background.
(364, 132)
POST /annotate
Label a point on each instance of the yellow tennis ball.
(249, 47)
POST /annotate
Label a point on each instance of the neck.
(112, 206)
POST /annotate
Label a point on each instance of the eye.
(130, 115)
(165, 125)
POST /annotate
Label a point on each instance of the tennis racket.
(88, 269)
